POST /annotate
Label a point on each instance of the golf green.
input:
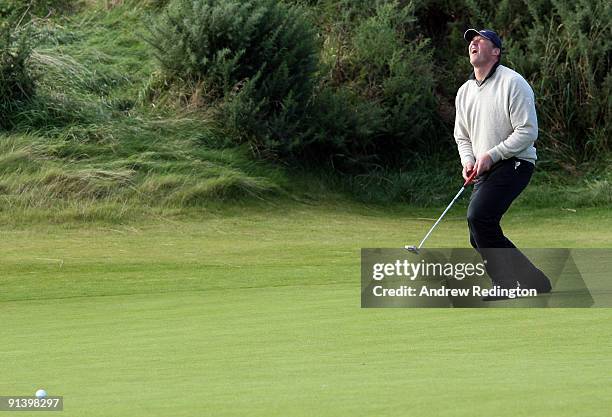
(259, 314)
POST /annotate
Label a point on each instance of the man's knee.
(477, 218)
(484, 228)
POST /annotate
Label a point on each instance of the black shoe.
(536, 280)
(545, 287)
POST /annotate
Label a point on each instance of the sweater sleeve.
(462, 136)
(523, 119)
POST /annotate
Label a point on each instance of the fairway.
(257, 313)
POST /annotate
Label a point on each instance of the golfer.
(495, 130)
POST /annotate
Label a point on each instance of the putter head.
(412, 249)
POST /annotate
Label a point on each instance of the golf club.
(416, 249)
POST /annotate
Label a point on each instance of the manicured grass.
(255, 311)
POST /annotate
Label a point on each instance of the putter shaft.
(440, 218)
(465, 184)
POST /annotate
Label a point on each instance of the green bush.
(258, 56)
(376, 105)
(19, 34)
(387, 74)
(16, 82)
(566, 57)
(344, 127)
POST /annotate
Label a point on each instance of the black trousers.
(493, 193)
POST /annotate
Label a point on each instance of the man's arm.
(462, 136)
(524, 122)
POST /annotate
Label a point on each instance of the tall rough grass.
(80, 148)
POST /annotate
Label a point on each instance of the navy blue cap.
(485, 33)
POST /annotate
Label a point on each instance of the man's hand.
(483, 163)
(467, 171)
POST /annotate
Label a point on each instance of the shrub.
(376, 104)
(18, 37)
(16, 82)
(566, 56)
(258, 56)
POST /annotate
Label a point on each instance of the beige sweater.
(497, 117)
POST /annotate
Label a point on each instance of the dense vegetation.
(389, 71)
(181, 103)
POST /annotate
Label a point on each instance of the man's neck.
(481, 72)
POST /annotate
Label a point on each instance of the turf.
(256, 312)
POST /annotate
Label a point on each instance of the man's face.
(482, 51)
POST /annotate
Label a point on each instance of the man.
(495, 130)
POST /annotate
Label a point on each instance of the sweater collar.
(489, 75)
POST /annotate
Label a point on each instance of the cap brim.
(470, 33)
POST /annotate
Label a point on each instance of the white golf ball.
(41, 393)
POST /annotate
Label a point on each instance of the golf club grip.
(470, 178)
